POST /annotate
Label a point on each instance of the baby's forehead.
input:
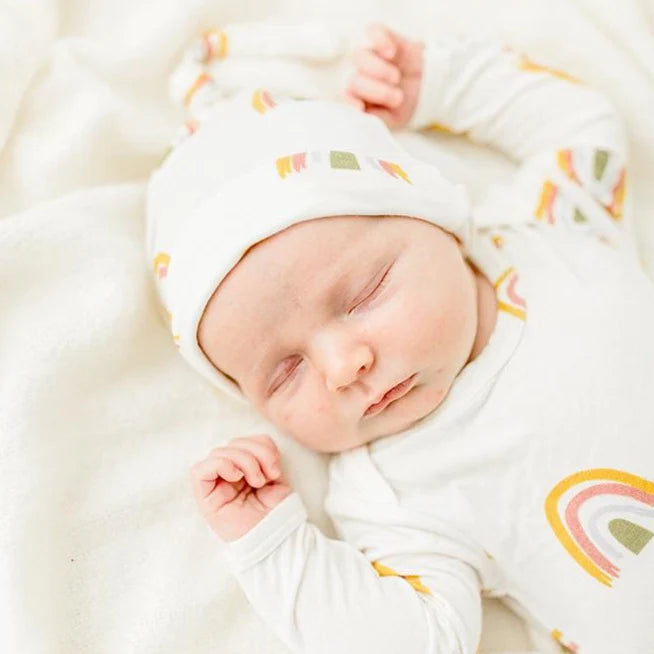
(298, 252)
(308, 266)
(334, 227)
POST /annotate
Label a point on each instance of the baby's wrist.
(435, 61)
(267, 534)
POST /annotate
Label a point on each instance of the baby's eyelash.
(377, 290)
(284, 378)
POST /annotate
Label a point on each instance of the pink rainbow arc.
(299, 161)
(512, 293)
(572, 535)
(577, 530)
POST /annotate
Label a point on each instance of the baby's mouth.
(398, 391)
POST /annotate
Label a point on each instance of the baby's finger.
(375, 92)
(383, 40)
(267, 456)
(352, 99)
(205, 473)
(222, 494)
(372, 65)
(266, 440)
(247, 462)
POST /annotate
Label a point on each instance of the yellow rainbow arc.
(551, 505)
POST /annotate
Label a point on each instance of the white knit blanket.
(101, 547)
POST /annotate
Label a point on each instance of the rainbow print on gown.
(598, 515)
(601, 172)
(160, 264)
(532, 67)
(509, 299)
(414, 580)
(554, 206)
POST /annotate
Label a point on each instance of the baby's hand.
(389, 72)
(238, 485)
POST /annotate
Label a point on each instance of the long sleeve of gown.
(565, 137)
(409, 592)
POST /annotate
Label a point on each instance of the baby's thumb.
(271, 495)
(348, 97)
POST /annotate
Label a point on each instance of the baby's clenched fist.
(236, 486)
(388, 76)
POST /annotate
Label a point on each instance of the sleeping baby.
(482, 376)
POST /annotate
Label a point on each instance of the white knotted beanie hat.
(259, 164)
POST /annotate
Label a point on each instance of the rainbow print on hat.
(567, 646)
(212, 44)
(262, 101)
(336, 159)
(599, 516)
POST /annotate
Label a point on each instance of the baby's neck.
(486, 311)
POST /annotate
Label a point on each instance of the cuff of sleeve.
(435, 68)
(264, 537)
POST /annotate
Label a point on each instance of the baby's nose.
(341, 356)
(348, 367)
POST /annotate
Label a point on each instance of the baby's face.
(317, 322)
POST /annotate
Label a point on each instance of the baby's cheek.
(306, 416)
(432, 394)
(424, 325)
(287, 419)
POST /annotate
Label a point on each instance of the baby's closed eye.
(285, 376)
(377, 289)
(290, 370)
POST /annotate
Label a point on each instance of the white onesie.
(533, 479)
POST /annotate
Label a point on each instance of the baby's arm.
(499, 97)
(407, 593)
(566, 136)
(324, 595)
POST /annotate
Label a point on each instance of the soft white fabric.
(101, 547)
(533, 480)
